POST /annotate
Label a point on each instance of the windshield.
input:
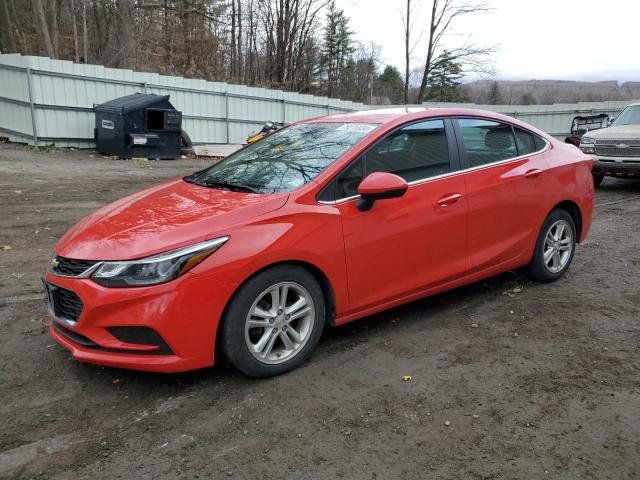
(629, 116)
(285, 160)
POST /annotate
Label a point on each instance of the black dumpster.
(138, 125)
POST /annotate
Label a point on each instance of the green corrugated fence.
(44, 101)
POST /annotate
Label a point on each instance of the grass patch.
(44, 148)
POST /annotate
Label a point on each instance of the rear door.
(406, 244)
(505, 173)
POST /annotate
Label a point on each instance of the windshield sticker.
(356, 127)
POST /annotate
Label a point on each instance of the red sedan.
(323, 222)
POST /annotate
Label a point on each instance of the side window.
(540, 143)
(415, 152)
(487, 141)
(526, 141)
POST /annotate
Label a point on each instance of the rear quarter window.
(527, 142)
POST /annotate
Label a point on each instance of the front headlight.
(587, 140)
(156, 269)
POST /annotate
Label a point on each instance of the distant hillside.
(528, 92)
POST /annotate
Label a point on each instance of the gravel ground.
(509, 379)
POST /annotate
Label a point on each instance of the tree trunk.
(8, 26)
(239, 60)
(232, 54)
(127, 33)
(76, 49)
(44, 28)
(406, 55)
(53, 25)
(85, 35)
(427, 65)
(19, 35)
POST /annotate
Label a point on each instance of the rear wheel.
(274, 321)
(554, 248)
(597, 180)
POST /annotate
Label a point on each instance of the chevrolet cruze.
(319, 224)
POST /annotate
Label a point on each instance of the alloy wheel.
(558, 246)
(279, 323)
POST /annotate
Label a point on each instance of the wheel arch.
(318, 274)
(572, 209)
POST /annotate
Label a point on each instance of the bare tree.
(85, 34)
(443, 15)
(239, 61)
(288, 26)
(126, 34)
(76, 49)
(45, 36)
(408, 48)
(7, 27)
(407, 35)
(270, 43)
(233, 54)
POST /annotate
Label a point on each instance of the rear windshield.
(286, 159)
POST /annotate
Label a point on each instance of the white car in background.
(615, 150)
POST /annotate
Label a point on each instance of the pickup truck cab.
(615, 150)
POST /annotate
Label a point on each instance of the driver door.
(408, 244)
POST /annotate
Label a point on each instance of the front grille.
(632, 142)
(65, 304)
(71, 267)
(69, 305)
(612, 151)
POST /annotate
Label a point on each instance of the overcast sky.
(541, 39)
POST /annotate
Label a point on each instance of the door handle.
(449, 199)
(535, 173)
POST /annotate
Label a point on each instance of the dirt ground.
(510, 379)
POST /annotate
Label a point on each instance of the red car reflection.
(321, 223)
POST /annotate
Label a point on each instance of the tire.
(597, 180)
(186, 144)
(259, 349)
(556, 265)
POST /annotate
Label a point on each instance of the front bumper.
(625, 167)
(179, 320)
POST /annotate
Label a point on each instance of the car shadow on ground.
(612, 184)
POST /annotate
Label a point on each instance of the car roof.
(379, 115)
(394, 116)
(391, 115)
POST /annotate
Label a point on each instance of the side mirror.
(378, 186)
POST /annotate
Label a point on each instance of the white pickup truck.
(615, 150)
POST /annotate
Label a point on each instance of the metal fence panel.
(554, 119)
(51, 101)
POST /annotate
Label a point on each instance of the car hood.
(616, 132)
(167, 216)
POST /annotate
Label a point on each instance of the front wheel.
(273, 322)
(554, 248)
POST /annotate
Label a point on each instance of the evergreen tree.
(495, 97)
(445, 80)
(389, 86)
(337, 47)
